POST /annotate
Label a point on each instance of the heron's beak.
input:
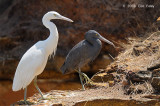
(65, 18)
(158, 19)
(107, 41)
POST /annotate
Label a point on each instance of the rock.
(141, 76)
(134, 89)
(144, 75)
(92, 97)
(133, 71)
(102, 77)
(154, 66)
(156, 72)
(4, 4)
(111, 83)
(152, 96)
(133, 77)
(126, 79)
(138, 49)
(21, 26)
(115, 102)
(96, 85)
(155, 77)
(156, 83)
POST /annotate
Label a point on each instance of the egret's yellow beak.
(158, 19)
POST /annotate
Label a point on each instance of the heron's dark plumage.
(82, 53)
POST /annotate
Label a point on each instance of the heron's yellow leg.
(83, 78)
(86, 78)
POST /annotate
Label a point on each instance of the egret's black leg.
(25, 99)
(35, 84)
(80, 76)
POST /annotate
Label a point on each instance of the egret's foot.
(83, 89)
(44, 97)
(25, 103)
(41, 99)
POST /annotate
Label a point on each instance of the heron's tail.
(63, 69)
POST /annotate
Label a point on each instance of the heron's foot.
(86, 79)
(25, 103)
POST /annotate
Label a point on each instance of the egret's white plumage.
(32, 64)
(35, 59)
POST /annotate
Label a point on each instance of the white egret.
(35, 59)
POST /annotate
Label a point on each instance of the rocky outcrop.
(94, 97)
(137, 68)
(124, 82)
(21, 27)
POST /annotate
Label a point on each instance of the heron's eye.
(96, 34)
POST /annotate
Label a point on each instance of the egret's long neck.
(52, 40)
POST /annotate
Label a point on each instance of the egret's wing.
(53, 54)
(28, 66)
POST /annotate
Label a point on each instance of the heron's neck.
(52, 40)
(90, 39)
(94, 42)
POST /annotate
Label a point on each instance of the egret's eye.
(96, 34)
(55, 15)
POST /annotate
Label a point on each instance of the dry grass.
(140, 55)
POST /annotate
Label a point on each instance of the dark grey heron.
(84, 52)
